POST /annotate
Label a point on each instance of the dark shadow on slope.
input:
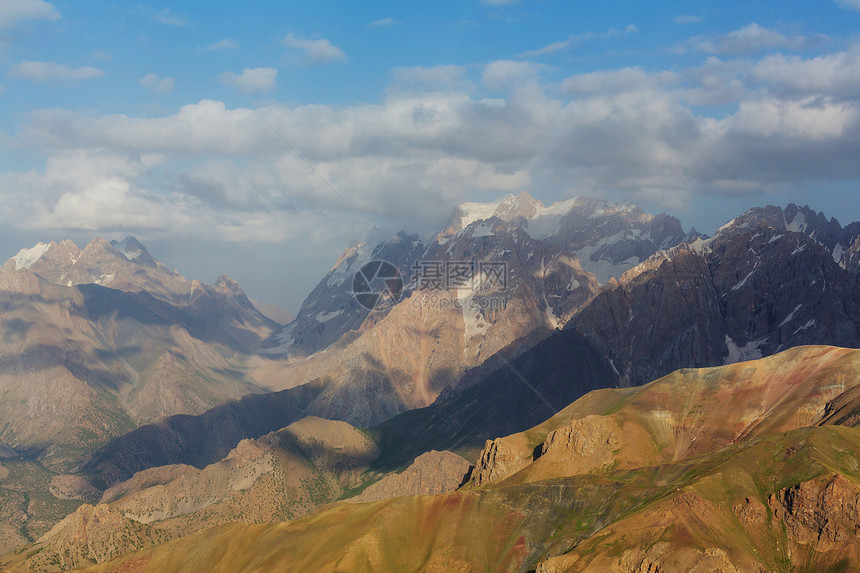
(198, 440)
(561, 369)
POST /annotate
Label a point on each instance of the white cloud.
(155, 84)
(225, 44)
(577, 39)
(837, 74)
(318, 51)
(754, 38)
(506, 73)
(383, 23)
(214, 169)
(617, 81)
(51, 71)
(716, 81)
(251, 79)
(14, 11)
(687, 19)
(850, 4)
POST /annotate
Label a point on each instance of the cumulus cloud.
(836, 74)
(220, 171)
(52, 71)
(156, 85)
(317, 51)
(615, 81)
(505, 73)
(754, 38)
(14, 11)
(251, 79)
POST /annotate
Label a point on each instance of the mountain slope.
(772, 488)
(283, 475)
(447, 324)
(750, 291)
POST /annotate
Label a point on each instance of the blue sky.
(149, 118)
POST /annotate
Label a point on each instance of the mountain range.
(138, 408)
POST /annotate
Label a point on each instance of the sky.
(259, 140)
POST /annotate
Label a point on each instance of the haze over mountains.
(177, 406)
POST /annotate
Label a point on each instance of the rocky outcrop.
(592, 441)
(432, 473)
(499, 459)
(824, 513)
(92, 534)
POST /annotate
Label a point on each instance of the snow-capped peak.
(472, 212)
(131, 249)
(27, 257)
(511, 207)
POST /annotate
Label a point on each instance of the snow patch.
(482, 230)
(546, 222)
(797, 225)
(471, 212)
(327, 316)
(807, 326)
(285, 337)
(837, 253)
(775, 238)
(744, 281)
(27, 257)
(737, 354)
(349, 266)
(726, 226)
(473, 318)
(604, 269)
(106, 279)
(790, 316)
(701, 245)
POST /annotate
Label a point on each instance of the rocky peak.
(133, 250)
(499, 459)
(508, 208)
(229, 287)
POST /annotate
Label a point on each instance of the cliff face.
(822, 514)
(751, 291)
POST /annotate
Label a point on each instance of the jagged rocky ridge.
(737, 302)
